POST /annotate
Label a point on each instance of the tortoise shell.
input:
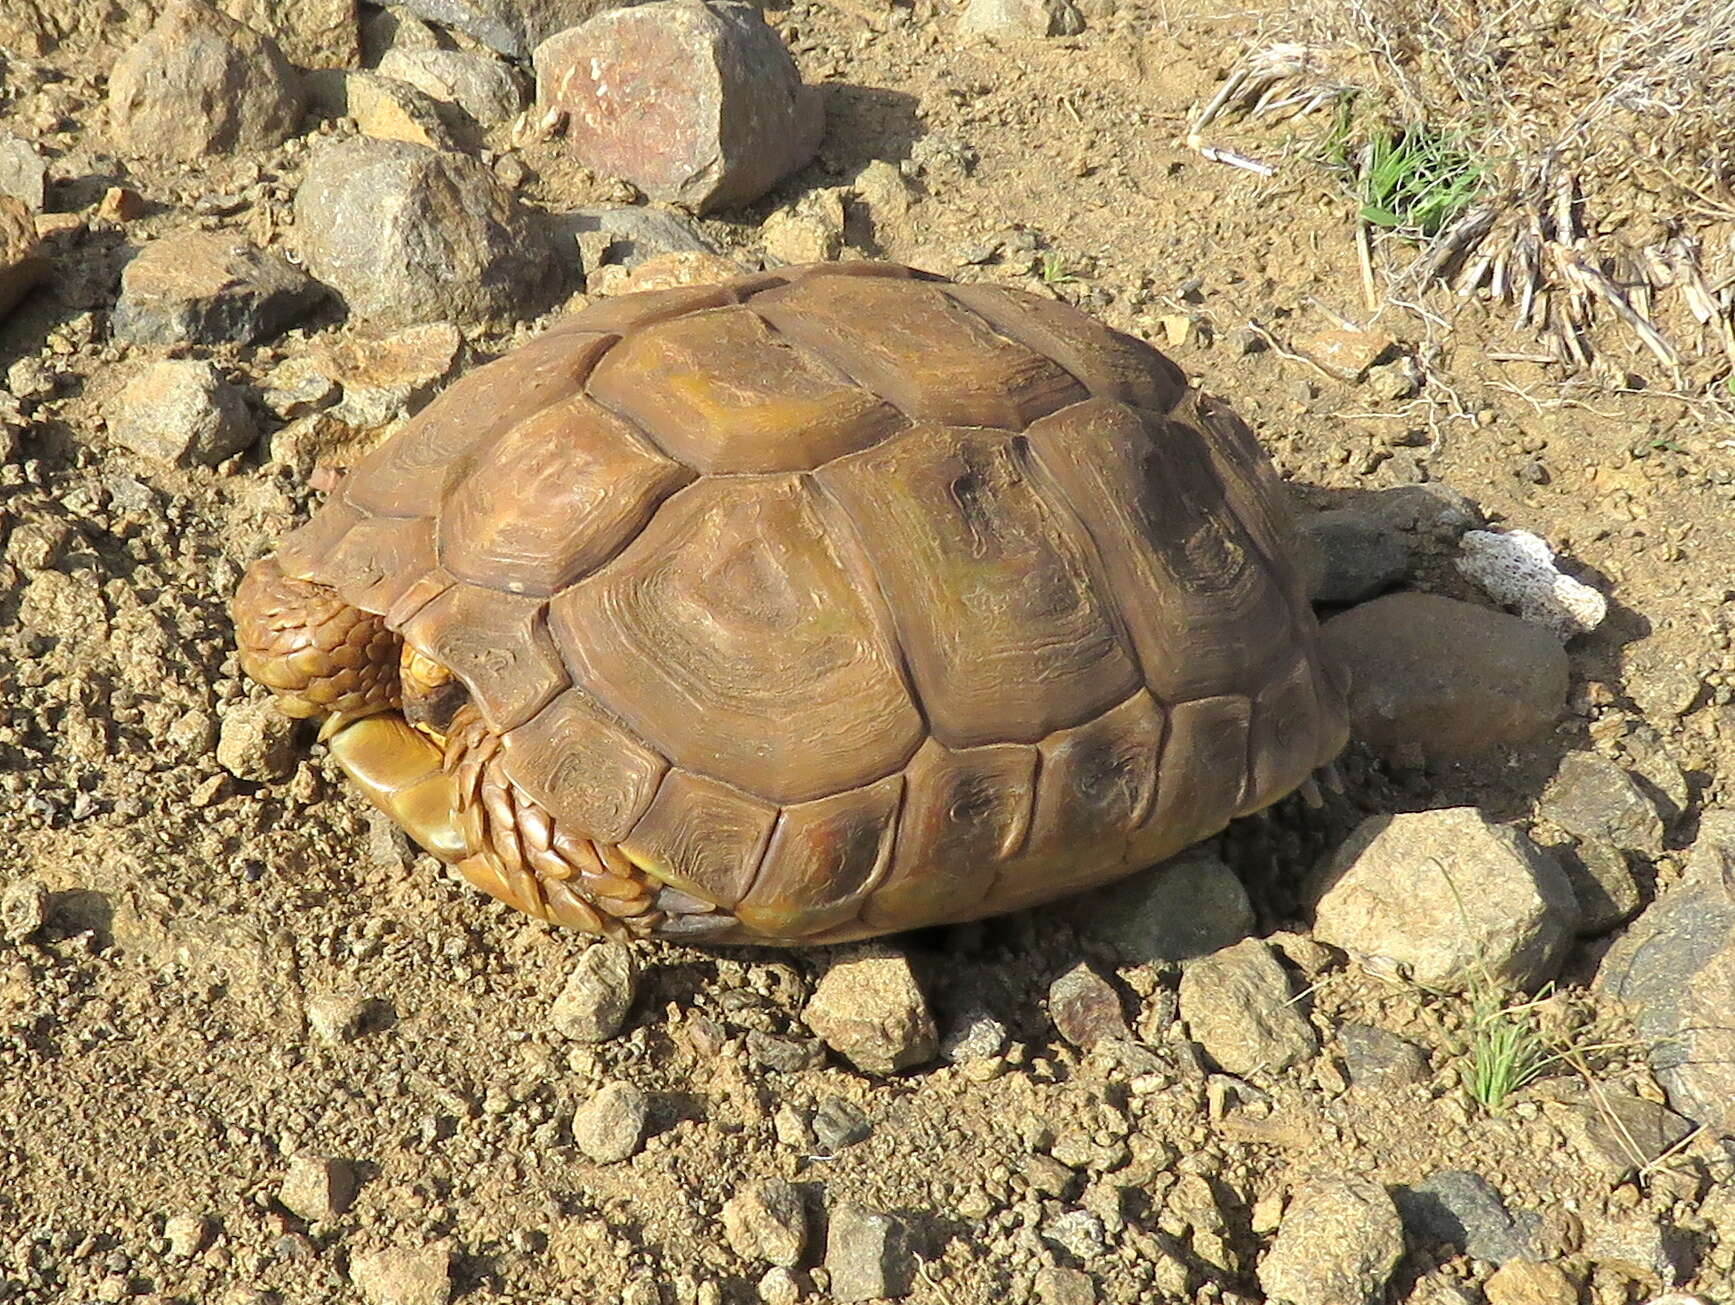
(847, 598)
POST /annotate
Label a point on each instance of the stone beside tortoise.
(824, 603)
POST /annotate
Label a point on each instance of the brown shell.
(849, 599)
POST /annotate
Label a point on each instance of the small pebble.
(318, 1188)
(610, 1127)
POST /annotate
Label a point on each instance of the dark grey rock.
(716, 115)
(1378, 1059)
(1190, 905)
(408, 234)
(1463, 1210)
(1592, 797)
(1431, 677)
(200, 83)
(1674, 967)
(868, 1255)
(784, 1055)
(1359, 555)
(839, 1122)
(513, 27)
(1617, 1133)
(1603, 883)
(627, 234)
(210, 287)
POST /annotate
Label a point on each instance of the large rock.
(22, 265)
(407, 234)
(696, 103)
(209, 287)
(1463, 1210)
(23, 174)
(513, 27)
(1238, 1006)
(1359, 555)
(1338, 1243)
(1674, 967)
(1433, 677)
(483, 87)
(1190, 905)
(200, 83)
(181, 413)
(314, 33)
(1593, 798)
(1451, 896)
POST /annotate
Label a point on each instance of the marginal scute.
(702, 836)
(498, 644)
(408, 475)
(738, 638)
(628, 312)
(915, 348)
(1204, 611)
(824, 856)
(303, 551)
(1253, 488)
(378, 560)
(1007, 633)
(965, 813)
(595, 484)
(1110, 364)
(1290, 734)
(594, 776)
(1202, 780)
(722, 392)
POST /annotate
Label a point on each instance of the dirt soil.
(161, 1037)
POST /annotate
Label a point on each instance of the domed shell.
(847, 598)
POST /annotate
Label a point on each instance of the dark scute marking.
(1202, 779)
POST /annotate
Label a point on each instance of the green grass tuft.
(1418, 180)
(1507, 1050)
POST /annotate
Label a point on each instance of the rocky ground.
(255, 1049)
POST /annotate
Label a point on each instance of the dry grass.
(1599, 168)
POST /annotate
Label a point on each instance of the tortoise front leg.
(441, 779)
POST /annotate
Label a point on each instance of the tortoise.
(824, 603)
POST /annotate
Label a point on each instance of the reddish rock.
(694, 103)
